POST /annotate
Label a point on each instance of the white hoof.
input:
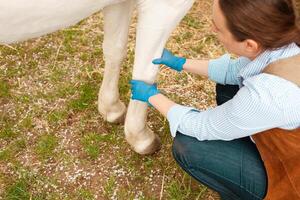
(144, 142)
(114, 114)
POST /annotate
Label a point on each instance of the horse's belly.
(24, 19)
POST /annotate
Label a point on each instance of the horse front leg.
(116, 24)
(156, 20)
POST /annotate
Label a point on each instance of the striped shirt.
(263, 102)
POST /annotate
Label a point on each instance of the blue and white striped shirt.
(263, 102)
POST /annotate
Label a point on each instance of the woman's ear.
(252, 48)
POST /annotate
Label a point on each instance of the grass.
(27, 123)
(91, 144)
(53, 142)
(85, 194)
(192, 22)
(7, 133)
(183, 189)
(57, 75)
(85, 100)
(28, 186)
(5, 155)
(46, 145)
(110, 187)
(4, 89)
(19, 190)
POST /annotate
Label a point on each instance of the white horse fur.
(24, 19)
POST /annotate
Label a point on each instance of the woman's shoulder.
(270, 86)
(272, 82)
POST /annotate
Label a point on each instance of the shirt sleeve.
(175, 115)
(249, 112)
(224, 70)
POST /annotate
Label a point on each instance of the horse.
(21, 20)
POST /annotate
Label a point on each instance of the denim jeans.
(234, 168)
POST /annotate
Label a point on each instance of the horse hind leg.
(116, 24)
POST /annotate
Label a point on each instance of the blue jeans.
(234, 168)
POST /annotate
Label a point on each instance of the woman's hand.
(170, 60)
(149, 93)
(142, 91)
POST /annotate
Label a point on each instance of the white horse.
(24, 19)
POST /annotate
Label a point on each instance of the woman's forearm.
(161, 103)
(199, 67)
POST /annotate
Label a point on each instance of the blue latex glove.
(142, 91)
(170, 60)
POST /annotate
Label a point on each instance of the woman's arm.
(246, 114)
(161, 103)
(223, 70)
(199, 67)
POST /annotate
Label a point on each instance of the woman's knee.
(189, 152)
(179, 149)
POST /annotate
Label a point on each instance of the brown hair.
(296, 5)
(272, 23)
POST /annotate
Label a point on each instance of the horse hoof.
(113, 114)
(144, 142)
(153, 147)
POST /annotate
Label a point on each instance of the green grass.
(4, 89)
(7, 133)
(69, 36)
(6, 155)
(85, 194)
(201, 46)
(86, 99)
(27, 123)
(27, 185)
(19, 190)
(46, 145)
(182, 190)
(109, 187)
(184, 37)
(96, 53)
(91, 144)
(57, 75)
(192, 22)
(57, 116)
(24, 99)
(65, 90)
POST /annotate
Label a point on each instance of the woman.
(214, 145)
